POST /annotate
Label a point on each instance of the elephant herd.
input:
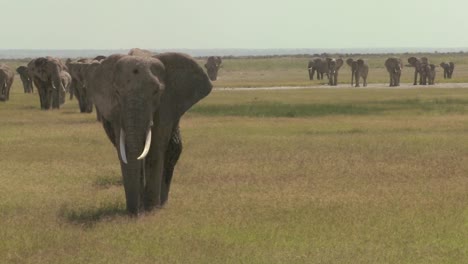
(139, 99)
(359, 69)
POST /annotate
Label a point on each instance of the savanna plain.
(325, 175)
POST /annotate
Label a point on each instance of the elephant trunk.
(3, 92)
(134, 145)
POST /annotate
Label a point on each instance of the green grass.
(351, 176)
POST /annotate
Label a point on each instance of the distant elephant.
(7, 76)
(317, 65)
(46, 74)
(448, 69)
(419, 64)
(141, 101)
(78, 85)
(99, 58)
(431, 74)
(359, 68)
(140, 52)
(27, 82)
(334, 66)
(394, 67)
(212, 65)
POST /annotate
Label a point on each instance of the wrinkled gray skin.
(140, 52)
(45, 73)
(142, 98)
(334, 66)
(394, 67)
(448, 69)
(212, 65)
(7, 76)
(25, 79)
(420, 68)
(317, 65)
(79, 88)
(359, 69)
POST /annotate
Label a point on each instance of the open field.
(300, 176)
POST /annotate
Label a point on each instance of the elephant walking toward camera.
(79, 88)
(394, 67)
(420, 68)
(141, 101)
(317, 65)
(46, 74)
(448, 69)
(334, 66)
(25, 79)
(359, 69)
(212, 65)
(6, 80)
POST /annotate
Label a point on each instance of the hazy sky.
(207, 24)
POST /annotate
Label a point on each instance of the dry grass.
(388, 185)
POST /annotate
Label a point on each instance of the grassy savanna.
(302, 176)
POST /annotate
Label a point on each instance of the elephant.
(141, 101)
(419, 65)
(77, 70)
(27, 82)
(7, 76)
(448, 69)
(317, 65)
(394, 67)
(334, 66)
(359, 68)
(140, 52)
(99, 58)
(212, 65)
(46, 73)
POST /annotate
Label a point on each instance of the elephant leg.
(357, 78)
(172, 156)
(154, 166)
(415, 77)
(55, 99)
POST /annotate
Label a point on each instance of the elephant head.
(24, 76)
(6, 80)
(141, 100)
(212, 65)
(99, 58)
(334, 66)
(46, 75)
(394, 67)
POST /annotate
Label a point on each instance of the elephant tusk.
(147, 145)
(123, 155)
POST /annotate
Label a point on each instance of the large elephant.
(317, 65)
(212, 65)
(359, 69)
(79, 88)
(46, 74)
(7, 76)
(25, 79)
(334, 66)
(420, 68)
(141, 101)
(394, 67)
(448, 69)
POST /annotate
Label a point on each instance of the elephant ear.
(339, 63)
(350, 62)
(185, 84)
(412, 61)
(360, 62)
